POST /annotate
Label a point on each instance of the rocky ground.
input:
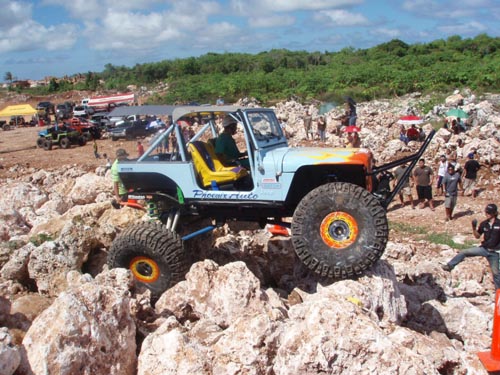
(250, 307)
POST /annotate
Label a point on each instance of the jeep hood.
(292, 159)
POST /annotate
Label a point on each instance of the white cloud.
(271, 21)
(13, 13)
(469, 28)
(30, 35)
(343, 18)
(387, 33)
(263, 6)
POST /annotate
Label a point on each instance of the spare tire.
(339, 230)
(154, 255)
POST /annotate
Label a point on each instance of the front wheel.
(47, 145)
(154, 255)
(339, 230)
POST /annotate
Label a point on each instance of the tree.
(8, 77)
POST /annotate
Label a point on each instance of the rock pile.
(249, 306)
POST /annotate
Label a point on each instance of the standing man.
(451, 181)
(118, 188)
(469, 175)
(422, 178)
(490, 228)
(307, 124)
(406, 188)
(140, 149)
(441, 172)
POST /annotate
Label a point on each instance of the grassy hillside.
(389, 69)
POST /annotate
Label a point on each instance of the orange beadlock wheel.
(144, 269)
(339, 230)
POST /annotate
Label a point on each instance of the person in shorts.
(406, 188)
(422, 178)
(469, 175)
(441, 172)
(451, 182)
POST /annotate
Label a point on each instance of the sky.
(59, 37)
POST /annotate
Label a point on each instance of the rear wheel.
(82, 141)
(154, 255)
(339, 230)
(65, 142)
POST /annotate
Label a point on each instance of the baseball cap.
(491, 209)
(228, 120)
(470, 155)
(121, 152)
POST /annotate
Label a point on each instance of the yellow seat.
(209, 167)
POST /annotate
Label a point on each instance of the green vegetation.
(421, 233)
(40, 239)
(392, 68)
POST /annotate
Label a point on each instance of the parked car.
(82, 111)
(102, 120)
(129, 130)
(63, 111)
(48, 107)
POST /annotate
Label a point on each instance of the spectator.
(219, 101)
(352, 111)
(96, 150)
(118, 188)
(412, 133)
(451, 182)
(402, 135)
(353, 140)
(322, 128)
(469, 175)
(422, 177)
(406, 188)
(108, 163)
(307, 124)
(490, 229)
(442, 166)
(140, 149)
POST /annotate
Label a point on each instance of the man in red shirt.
(412, 133)
(140, 149)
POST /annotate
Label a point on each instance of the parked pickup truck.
(130, 130)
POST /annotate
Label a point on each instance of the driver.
(225, 145)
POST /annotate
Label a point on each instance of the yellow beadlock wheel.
(339, 230)
(145, 269)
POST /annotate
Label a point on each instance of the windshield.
(265, 125)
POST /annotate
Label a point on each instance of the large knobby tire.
(154, 255)
(47, 145)
(339, 230)
(65, 142)
(40, 141)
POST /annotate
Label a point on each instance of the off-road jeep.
(327, 197)
(63, 136)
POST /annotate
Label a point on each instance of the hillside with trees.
(389, 69)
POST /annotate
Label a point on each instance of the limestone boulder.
(87, 330)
